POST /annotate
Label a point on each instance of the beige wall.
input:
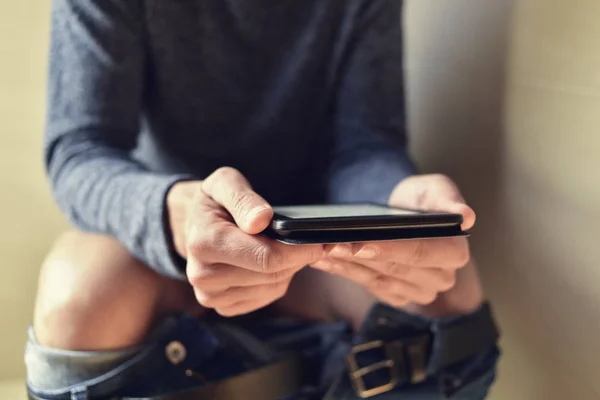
(28, 217)
(505, 99)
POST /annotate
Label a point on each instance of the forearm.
(102, 190)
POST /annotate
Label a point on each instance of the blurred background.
(504, 96)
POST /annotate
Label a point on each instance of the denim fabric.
(215, 350)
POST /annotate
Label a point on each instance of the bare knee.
(93, 295)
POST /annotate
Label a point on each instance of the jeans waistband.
(193, 351)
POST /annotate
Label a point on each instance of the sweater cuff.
(371, 177)
(159, 250)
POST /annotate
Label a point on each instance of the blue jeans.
(186, 352)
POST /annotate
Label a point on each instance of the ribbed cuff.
(159, 250)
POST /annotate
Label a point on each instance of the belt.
(272, 382)
(413, 359)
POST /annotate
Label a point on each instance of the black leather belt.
(272, 382)
(413, 359)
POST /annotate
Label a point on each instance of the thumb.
(228, 187)
(433, 193)
(457, 207)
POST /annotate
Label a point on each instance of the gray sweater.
(304, 97)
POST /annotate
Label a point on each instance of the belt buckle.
(396, 353)
(358, 373)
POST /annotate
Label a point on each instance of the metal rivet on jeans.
(176, 352)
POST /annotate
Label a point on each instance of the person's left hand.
(409, 271)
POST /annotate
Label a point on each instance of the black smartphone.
(359, 222)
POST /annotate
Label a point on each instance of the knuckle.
(208, 302)
(448, 281)
(442, 178)
(262, 255)
(428, 297)
(446, 182)
(398, 302)
(242, 200)
(219, 176)
(198, 242)
(196, 275)
(201, 281)
(196, 279)
(228, 312)
(463, 254)
(266, 258)
(203, 242)
(225, 173)
(197, 246)
(205, 299)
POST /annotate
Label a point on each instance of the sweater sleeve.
(96, 74)
(370, 156)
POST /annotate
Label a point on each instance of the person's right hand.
(233, 270)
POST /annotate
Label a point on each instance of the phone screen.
(340, 210)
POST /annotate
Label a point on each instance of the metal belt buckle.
(358, 373)
(396, 354)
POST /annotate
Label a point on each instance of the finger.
(393, 300)
(245, 307)
(437, 279)
(467, 212)
(224, 243)
(433, 193)
(396, 292)
(230, 189)
(360, 274)
(439, 253)
(219, 277)
(440, 280)
(231, 296)
(377, 283)
(408, 290)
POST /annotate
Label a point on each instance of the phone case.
(358, 236)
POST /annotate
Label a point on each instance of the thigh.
(92, 295)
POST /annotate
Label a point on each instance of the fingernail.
(257, 210)
(342, 249)
(367, 252)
